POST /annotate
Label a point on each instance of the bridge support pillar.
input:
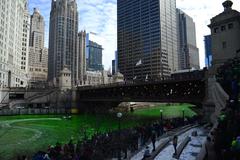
(215, 101)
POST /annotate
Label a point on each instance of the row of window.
(223, 28)
(38, 69)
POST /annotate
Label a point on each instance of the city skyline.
(100, 16)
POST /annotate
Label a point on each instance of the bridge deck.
(162, 91)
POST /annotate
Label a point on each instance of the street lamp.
(161, 113)
(183, 114)
(119, 116)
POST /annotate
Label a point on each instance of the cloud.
(100, 16)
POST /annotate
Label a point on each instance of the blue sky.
(100, 16)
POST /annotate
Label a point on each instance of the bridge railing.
(174, 91)
(31, 111)
(197, 76)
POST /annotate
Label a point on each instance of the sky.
(100, 17)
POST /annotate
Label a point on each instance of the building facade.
(37, 28)
(147, 38)
(93, 78)
(187, 45)
(63, 35)
(25, 41)
(38, 63)
(38, 54)
(113, 67)
(13, 43)
(208, 50)
(116, 61)
(225, 31)
(81, 57)
(117, 78)
(99, 78)
(65, 79)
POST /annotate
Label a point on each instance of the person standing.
(175, 141)
(210, 154)
(153, 139)
(146, 153)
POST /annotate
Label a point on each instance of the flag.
(93, 33)
(139, 62)
(146, 79)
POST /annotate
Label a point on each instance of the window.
(230, 26)
(216, 30)
(224, 44)
(223, 28)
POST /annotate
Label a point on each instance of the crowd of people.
(225, 138)
(113, 144)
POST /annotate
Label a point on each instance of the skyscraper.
(81, 57)
(25, 40)
(116, 61)
(38, 55)
(36, 30)
(93, 52)
(63, 34)
(113, 67)
(13, 43)
(94, 58)
(115, 64)
(187, 46)
(147, 38)
(208, 50)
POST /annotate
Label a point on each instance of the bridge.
(189, 87)
(190, 90)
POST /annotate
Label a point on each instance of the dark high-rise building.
(94, 56)
(187, 45)
(113, 67)
(208, 50)
(147, 38)
(115, 64)
(116, 61)
(63, 39)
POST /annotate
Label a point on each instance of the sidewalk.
(139, 155)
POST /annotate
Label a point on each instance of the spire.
(36, 10)
(227, 5)
(26, 6)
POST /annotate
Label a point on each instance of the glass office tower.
(147, 38)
